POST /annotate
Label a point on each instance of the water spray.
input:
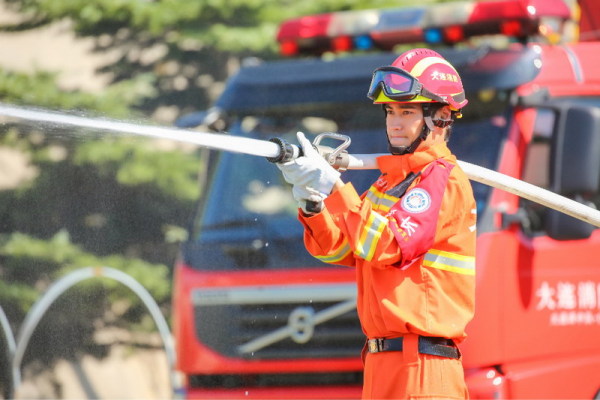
(234, 144)
(277, 150)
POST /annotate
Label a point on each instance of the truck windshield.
(249, 218)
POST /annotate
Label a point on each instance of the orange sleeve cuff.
(319, 219)
(320, 232)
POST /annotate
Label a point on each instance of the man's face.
(404, 122)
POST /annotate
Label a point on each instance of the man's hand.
(311, 170)
(308, 199)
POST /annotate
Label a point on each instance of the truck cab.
(255, 316)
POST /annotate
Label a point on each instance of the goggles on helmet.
(398, 85)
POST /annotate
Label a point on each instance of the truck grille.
(279, 322)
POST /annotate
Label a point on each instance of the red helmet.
(421, 76)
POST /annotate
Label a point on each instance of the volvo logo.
(301, 323)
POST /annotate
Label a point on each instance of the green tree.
(92, 200)
(187, 47)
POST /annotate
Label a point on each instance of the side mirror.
(214, 119)
(574, 168)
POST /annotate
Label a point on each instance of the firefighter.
(411, 236)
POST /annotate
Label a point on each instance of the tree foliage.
(188, 47)
(91, 200)
(40, 89)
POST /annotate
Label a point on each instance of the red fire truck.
(256, 317)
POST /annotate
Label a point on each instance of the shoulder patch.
(416, 201)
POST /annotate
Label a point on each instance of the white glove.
(309, 199)
(311, 170)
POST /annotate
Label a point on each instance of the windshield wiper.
(232, 224)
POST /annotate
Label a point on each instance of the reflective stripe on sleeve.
(450, 262)
(381, 202)
(369, 238)
(339, 254)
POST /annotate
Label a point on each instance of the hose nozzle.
(336, 157)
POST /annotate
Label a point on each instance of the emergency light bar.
(446, 23)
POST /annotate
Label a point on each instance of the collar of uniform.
(393, 165)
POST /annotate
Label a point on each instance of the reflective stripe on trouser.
(407, 374)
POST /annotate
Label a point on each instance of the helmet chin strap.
(401, 150)
(429, 125)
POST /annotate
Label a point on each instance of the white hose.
(532, 192)
(507, 183)
(269, 149)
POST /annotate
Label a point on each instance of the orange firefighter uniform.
(411, 238)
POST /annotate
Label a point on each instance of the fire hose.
(277, 150)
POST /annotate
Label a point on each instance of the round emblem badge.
(416, 201)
